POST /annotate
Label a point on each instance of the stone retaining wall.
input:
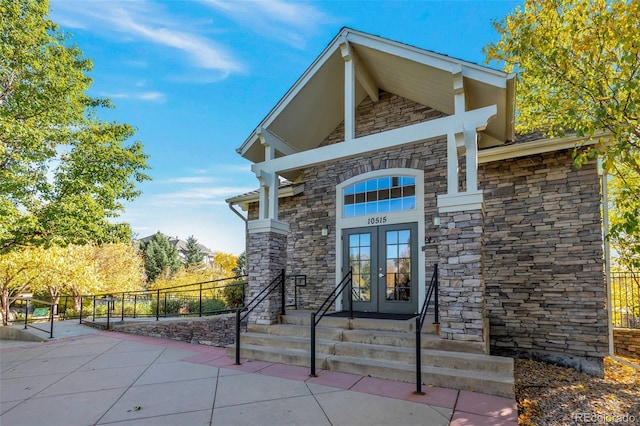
(626, 342)
(216, 330)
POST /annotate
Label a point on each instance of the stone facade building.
(387, 160)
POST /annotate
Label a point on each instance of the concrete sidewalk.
(116, 378)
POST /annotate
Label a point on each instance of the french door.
(384, 264)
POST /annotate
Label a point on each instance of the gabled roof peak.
(314, 106)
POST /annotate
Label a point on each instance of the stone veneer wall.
(308, 252)
(266, 258)
(461, 279)
(626, 342)
(546, 293)
(219, 330)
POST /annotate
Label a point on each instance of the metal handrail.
(26, 314)
(347, 281)
(431, 291)
(195, 296)
(278, 281)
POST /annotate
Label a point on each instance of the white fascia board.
(294, 90)
(253, 197)
(537, 147)
(477, 72)
(469, 120)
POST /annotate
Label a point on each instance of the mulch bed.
(552, 395)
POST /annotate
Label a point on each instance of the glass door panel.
(359, 245)
(383, 261)
(360, 263)
(398, 250)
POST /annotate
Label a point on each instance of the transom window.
(380, 195)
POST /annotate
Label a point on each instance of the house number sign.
(379, 220)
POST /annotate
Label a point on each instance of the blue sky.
(195, 77)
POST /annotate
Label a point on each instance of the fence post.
(80, 310)
(94, 309)
(122, 315)
(436, 316)
(158, 305)
(200, 309)
(313, 345)
(51, 320)
(135, 303)
(238, 336)
(108, 313)
(350, 294)
(283, 296)
(418, 358)
(26, 314)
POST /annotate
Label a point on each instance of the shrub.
(234, 295)
(208, 305)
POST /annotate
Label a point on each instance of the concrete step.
(304, 318)
(327, 333)
(287, 342)
(481, 381)
(408, 339)
(434, 358)
(280, 355)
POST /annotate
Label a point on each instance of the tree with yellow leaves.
(17, 272)
(578, 65)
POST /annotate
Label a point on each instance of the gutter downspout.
(246, 225)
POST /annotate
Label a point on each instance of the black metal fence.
(625, 299)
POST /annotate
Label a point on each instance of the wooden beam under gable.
(364, 77)
(268, 138)
(459, 123)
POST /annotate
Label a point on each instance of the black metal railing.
(242, 313)
(205, 298)
(36, 315)
(298, 280)
(432, 292)
(625, 299)
(347, 282)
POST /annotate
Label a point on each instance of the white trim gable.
(366, 64)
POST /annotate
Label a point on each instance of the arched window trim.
(377, 195)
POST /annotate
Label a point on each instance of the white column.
(349, 92)
(452, 164)
(471, 146)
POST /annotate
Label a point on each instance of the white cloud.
(200, 196)
(142, 20)
(188, 179)
(141, 96)
(289, 22)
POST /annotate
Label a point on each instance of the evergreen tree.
(160, 258)
(241, 265)
(193, 254)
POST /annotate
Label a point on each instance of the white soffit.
(314, 106)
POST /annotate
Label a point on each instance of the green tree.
(578, 65)
(17, 272)
(160, 258)
(63, 173)
(624, 219)
(193, 254)
(241, 265)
